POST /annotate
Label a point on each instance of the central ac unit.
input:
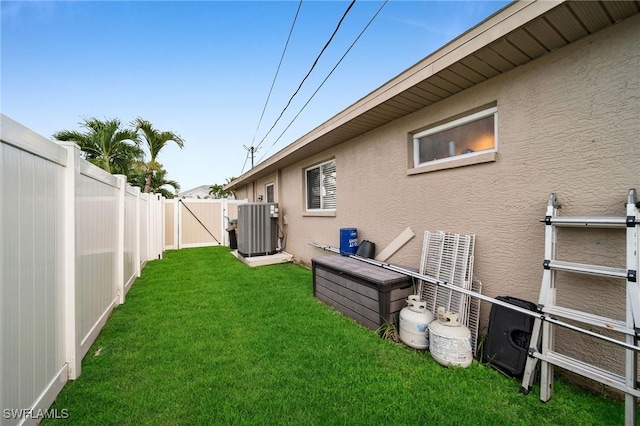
(257, 229)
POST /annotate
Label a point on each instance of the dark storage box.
(359, 290)
(508, 336)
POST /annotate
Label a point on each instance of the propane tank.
(414, 323)
(450, 341)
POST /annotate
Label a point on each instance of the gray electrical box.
(257, 229)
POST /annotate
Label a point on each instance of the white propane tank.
(449, 340)
(414, 323)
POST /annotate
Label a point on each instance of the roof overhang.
(519, 33)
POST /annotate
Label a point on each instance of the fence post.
(160, 226)
(145, 211)
(149, 214)
(73, 351)
(175, 203)
(119, 264)
(225, 223)
(179, 224)
(153, 226)
(137, 256)
(176, 222)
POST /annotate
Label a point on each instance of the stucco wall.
(261, 189)
(244, 193)
(567, 123)
(252, 192)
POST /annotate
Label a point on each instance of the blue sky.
(203, 69)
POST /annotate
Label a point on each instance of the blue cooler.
(348, 241)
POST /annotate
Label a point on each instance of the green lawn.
(204, 339)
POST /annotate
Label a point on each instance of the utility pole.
(252, 150)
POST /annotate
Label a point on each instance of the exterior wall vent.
(257, 229)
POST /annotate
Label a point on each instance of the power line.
(309, 72)
(245, 163)
(277, 72)
(325, 79)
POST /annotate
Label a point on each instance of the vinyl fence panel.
(96, 249)
(131, 236)
(156, 226)
(144, 228)
(32, 349)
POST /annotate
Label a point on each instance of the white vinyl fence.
(73, 240)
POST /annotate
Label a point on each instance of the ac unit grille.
(257, 229)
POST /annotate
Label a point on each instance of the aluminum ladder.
(542, 339)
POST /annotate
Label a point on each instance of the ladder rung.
(588, 221)
(582, 268)
(587, 318)
(591, 371)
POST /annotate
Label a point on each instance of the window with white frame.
(321, 186)
(466, 136)
(269, 191)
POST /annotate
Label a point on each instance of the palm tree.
(105, 144)
(158, 181)
(155, 140)
(218, 190)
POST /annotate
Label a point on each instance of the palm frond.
(154, 138)
(105, 144)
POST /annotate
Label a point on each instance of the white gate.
(198, 222)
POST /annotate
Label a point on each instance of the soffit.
(514, 36)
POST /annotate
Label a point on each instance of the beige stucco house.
(541, 97)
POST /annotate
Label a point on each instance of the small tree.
(158, 182)
(155, 141)
(217, 191)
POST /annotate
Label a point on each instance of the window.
(269, 191)
(465, 137)
(321, 186)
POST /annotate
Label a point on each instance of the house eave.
(517, 34)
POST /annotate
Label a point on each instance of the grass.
(204, 339)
